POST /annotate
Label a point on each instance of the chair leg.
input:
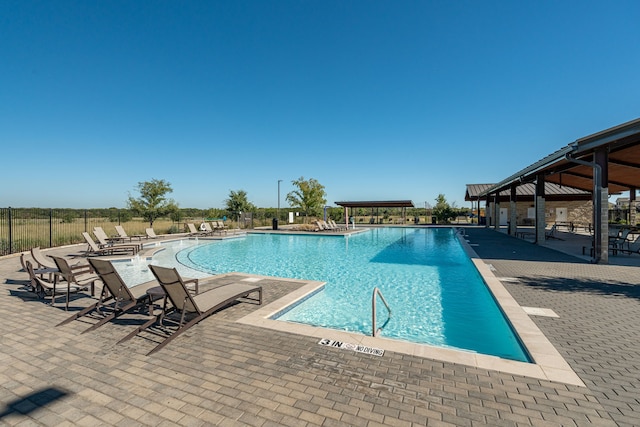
(176, 333)
(87, 309)
(116, 312)
(140, 329)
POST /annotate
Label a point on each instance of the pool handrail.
(376, 291)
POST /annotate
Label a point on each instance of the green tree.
(175, 215)
(238, 202)
(309, 197)
(442, 210)
(153, 202)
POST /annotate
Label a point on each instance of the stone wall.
(578, 212)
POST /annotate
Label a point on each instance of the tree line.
(308, 197)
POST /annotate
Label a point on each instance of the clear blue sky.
(375, 99)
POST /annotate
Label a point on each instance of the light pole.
(278, 213)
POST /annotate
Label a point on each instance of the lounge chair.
(43, 261)
(618, 242)
(82, 278)
(320, 226)
(220, 225)
(194, 232)
(197, 307)
(106, 241)
(633, 247)
(336, 226)
(207, 228)
(94, 249)
(99, 231)
(216, 227)
(123, 234)
(328, 226)
(46, 262)
(150, 233)
(115, 292)
(551, 233)
(43, 287)
(38, 271)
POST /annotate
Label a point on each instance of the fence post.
(85, 220)
(50, 227)
(10, 232)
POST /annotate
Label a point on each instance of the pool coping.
(548, 363)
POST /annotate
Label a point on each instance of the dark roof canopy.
(378, 204)
(622, 143)
(527, 191)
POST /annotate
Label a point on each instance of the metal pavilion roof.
(623, 145)
(377, 204)
(528, 190)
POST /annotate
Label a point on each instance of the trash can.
(275, 223)
(433, 220)
(416, 219)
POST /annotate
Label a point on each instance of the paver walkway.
(226, 373)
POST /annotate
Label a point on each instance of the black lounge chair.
(115, 292)
(197, 307)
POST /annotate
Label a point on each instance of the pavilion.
(404, 204)
(607, 162)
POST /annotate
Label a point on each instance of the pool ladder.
(376, 292)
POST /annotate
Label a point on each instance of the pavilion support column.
(487, 212)
(346, 217)
(541, 221)
(496, 212)
(601, 209)
(513, 214)
(633, 210)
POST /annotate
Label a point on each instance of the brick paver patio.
(225, 373)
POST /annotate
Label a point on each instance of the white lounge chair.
(123, 234)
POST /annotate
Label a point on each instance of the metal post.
(10, 232)
(278, 213)
(600, 236)
(50, 228)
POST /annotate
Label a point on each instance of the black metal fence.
(24, 228)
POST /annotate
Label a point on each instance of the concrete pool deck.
(226, 372)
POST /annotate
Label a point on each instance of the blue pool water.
(435, 292)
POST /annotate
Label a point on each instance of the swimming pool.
(435, 293)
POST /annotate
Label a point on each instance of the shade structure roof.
(622, 143)
(377, 204)
(527, 191)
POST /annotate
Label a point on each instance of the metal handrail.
(376, 291)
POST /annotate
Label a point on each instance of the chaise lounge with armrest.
(94, 249)
(194, 232)
(123, 234)
(115, 296)
(80, 277)
(197, 307)
(106, 241)
(45, 261)
(43, 287)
